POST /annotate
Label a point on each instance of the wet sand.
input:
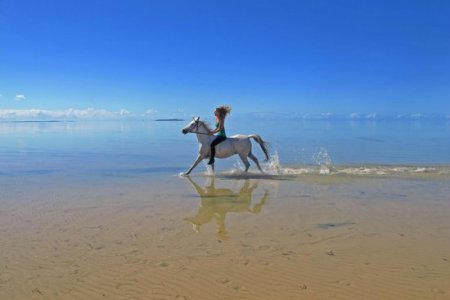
(164, 237)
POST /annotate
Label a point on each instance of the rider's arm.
(219, 127)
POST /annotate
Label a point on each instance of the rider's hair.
(223, 110)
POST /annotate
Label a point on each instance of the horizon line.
(24, 115)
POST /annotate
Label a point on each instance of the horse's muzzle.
(184, 131)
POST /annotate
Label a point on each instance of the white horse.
(236, 144)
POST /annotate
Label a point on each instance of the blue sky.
(186, 57)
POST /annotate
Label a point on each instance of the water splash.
(238, 166)
(323, 160)
(323, 166)
(273, 165)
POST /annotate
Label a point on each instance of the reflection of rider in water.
(216, 203)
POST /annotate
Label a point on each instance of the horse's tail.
(262, 143)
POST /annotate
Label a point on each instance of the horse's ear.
(196, 120)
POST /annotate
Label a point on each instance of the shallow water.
(131, 148)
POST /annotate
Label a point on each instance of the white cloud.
(71, 113)
(416, 116)
(20, 97)
(151, 111)
(124, 112)
(326, 115)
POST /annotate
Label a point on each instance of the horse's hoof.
(182, 174)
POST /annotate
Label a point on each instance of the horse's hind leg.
(255, 160)
(245, 161)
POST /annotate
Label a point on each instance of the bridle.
(197, 125)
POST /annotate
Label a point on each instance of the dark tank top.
(221, 132)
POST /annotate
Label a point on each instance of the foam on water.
(324, 167)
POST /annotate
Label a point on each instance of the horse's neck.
(203, 136)
(204, 139)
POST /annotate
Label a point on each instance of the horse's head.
(192, 126)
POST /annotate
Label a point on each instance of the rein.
(196, 128)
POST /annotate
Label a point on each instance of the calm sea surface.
(128, 148)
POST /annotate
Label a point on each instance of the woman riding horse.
(237, 144)
(220, 112)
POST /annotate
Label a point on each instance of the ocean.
(129, 148)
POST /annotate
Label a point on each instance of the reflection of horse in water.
(217, 202)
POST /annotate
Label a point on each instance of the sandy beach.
(167, 237)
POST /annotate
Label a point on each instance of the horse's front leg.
(200, 157)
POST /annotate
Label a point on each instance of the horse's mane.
(206, 124)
